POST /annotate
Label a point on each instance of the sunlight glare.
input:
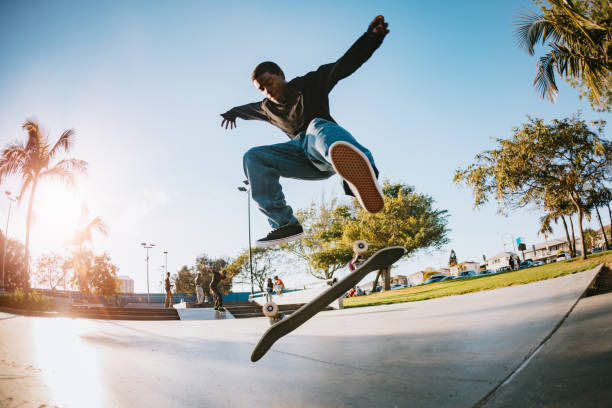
(69, 366)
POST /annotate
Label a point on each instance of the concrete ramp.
(448, 352)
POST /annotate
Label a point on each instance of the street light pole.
(248, 191)
(147, 247)
(11, 200)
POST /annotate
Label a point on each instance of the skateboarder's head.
(270, 80)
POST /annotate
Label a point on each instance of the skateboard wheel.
(360, 247)
(270, 309)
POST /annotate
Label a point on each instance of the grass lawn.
(478, 283)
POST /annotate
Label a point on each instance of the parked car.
(448, 278)
(597, 250)
(466, 274)
(538, 263)
(564, 256)
(486, 272)
(527, 263)
(503, 269)
(435, 278)
(397, 286)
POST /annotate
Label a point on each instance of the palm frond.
(65, 142)
(98, 224)
(35, 138)
(61, 174)
(533, 29)
(545, 78)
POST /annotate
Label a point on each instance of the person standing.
(269, 290)
(199, 290)
(214, 287)
(169, 298)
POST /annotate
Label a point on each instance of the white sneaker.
(355, 168)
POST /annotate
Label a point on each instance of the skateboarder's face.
(273, 86)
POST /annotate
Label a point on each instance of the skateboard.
(380, 259)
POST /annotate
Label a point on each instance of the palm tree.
(81, 259)
(580, 35)
(83, 233)
(32, 161)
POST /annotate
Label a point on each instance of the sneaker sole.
(279, 241)
(354, 167)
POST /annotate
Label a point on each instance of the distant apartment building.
(126, 284)
(548, 250)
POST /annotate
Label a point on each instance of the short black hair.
(267, 66)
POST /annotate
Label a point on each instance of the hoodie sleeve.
(251, 111)
(328, 75)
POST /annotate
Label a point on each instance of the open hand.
(378, 26)
(228, 122)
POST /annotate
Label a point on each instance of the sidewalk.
(573, 369)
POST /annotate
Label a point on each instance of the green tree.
(33, 162)
(452, 260)
(598, 198)
(103, 276)
(15, 272)
(579, 35)
(82, 256)
(323, 249)
(408, 219)
(206, 265)
(565, 156)
(263, 266)
(49, 270)
(184, 281)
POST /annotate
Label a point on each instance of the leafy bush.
(30, 300)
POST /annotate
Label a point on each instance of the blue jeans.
(305, 158)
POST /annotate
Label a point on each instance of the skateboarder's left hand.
(378, 26)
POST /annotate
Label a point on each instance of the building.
(126, 284)
(499, 260)
(548, 250)
(464, 266)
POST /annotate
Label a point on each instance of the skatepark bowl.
(517, 346)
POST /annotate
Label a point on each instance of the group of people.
(218, 276)
(272, 286)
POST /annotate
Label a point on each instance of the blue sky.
(143, 84)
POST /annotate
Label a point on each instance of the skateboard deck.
(380, 259)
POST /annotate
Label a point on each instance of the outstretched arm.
(251, 111)
(359, 53)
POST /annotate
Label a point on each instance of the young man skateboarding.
(319, 147)
(217, 277)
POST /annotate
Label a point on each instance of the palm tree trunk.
(569, 243)
(582, 244)
(375, 283)
(610, 215)
(603, 231)
(573, 243)
(387, 281)
(28, 222)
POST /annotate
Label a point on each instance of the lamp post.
(248, 191)
(11, 199)
(147, 247)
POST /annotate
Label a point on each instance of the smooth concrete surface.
(573, 369)
(447, 352)
(207, 313)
